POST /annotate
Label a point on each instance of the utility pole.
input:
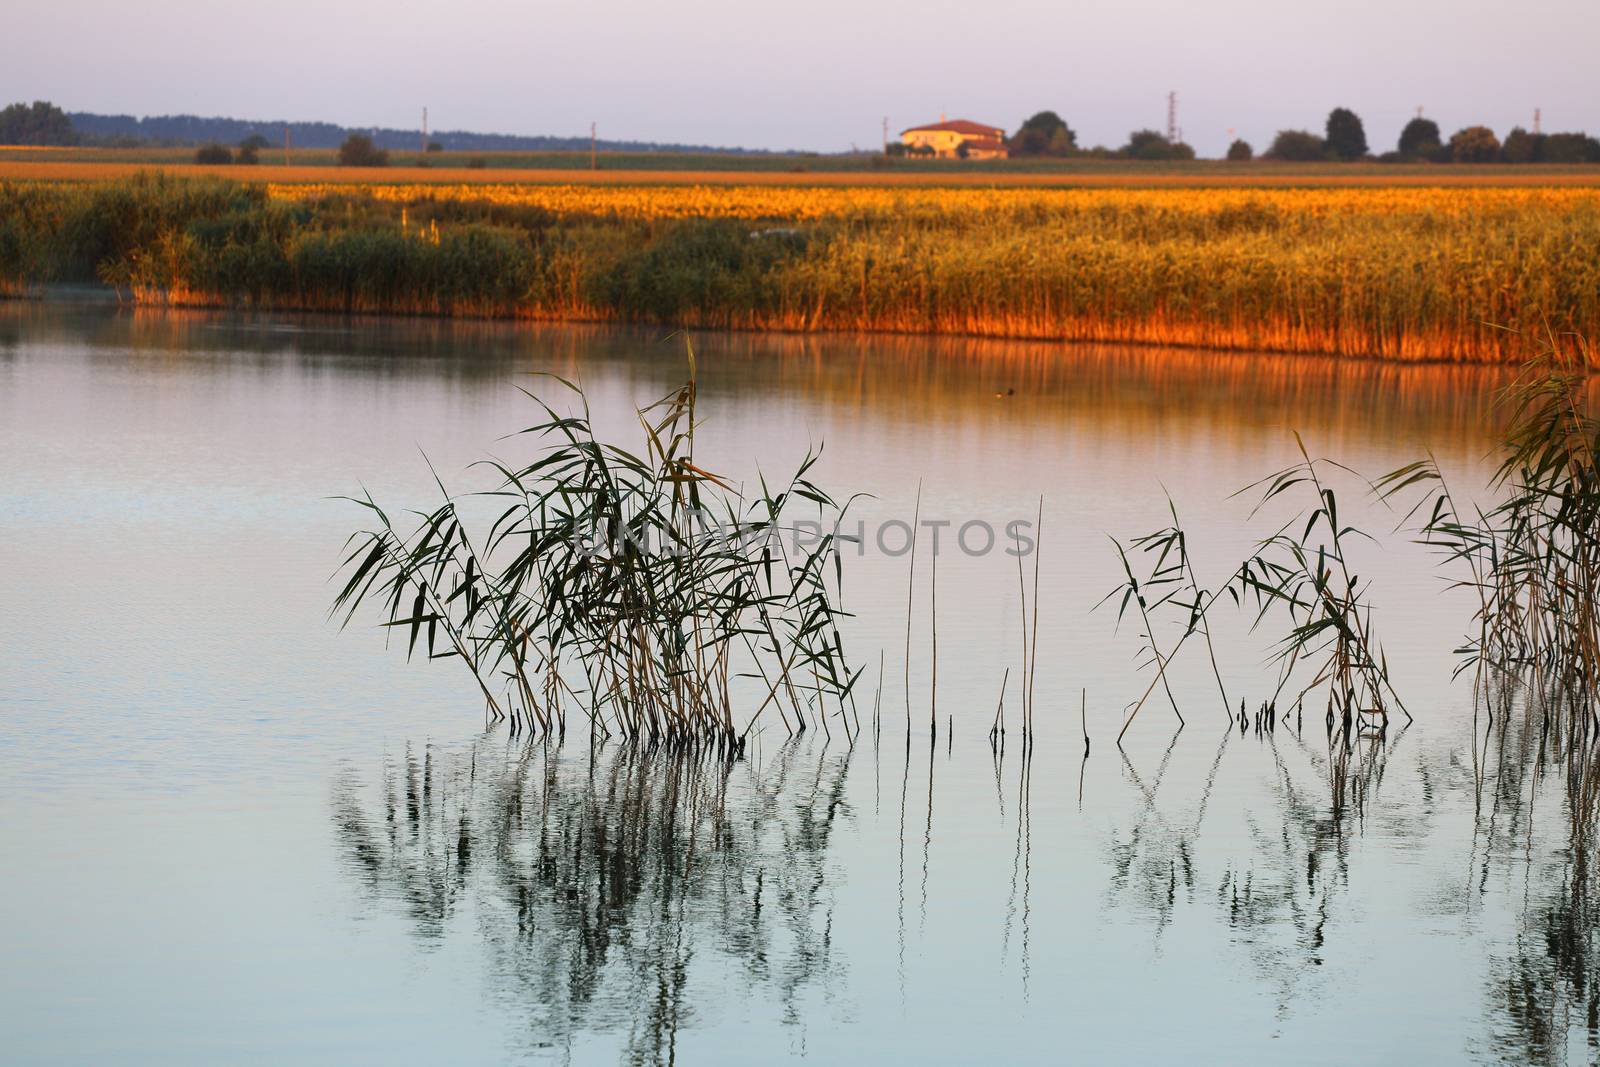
(1419, 111)
(886, 135)
(424, 148)
(1172, 117)
(594, 149)
(1536, 122)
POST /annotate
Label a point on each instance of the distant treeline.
(1047, 134)
(42, 123)
(194, 129)
(1344, 139)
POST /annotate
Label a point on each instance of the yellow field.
(796, 203)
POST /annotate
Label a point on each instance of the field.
(319, 166)
(1416, 272)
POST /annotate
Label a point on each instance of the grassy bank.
(1407, 273)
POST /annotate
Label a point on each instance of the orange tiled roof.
(975, 129)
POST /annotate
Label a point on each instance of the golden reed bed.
(1044, 206)
(1424, 273)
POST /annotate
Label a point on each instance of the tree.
(1298, 146)
(1475, 144)
(1570, 148)
(1522, 147)
(1150, 145)
(1419, 137)
(250, 150)
(359, 151)
(213, 154)
(1346, 138)
(1240, 152)
(41, 123)
(1045, 134)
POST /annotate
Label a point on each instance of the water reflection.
(623, 896)
(1261, 893)
(1142, 390)
(606, 887)
(1536, 786)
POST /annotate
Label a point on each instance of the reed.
(635, 586)
(1300, 578)
(1531, 553)
(1396, 273)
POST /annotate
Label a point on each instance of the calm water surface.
(233, 833)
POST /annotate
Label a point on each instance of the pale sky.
(820, 75)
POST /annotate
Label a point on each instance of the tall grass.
(633, 585)
(1399, 273)
(1531, 553)
(1299, 578)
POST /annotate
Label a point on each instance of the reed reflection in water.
(618, 891)
(622, 898)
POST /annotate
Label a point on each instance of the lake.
(234, 832)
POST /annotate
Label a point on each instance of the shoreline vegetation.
(1407, 273)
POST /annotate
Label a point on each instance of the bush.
(1297, 146)
(1150, 145)
(477, 163)
(213, 154)
(1240, 152)
(699, 269)
(1439, 153)
(1570, 148)
(435, 146)
(359, 151)
(1475, 144)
